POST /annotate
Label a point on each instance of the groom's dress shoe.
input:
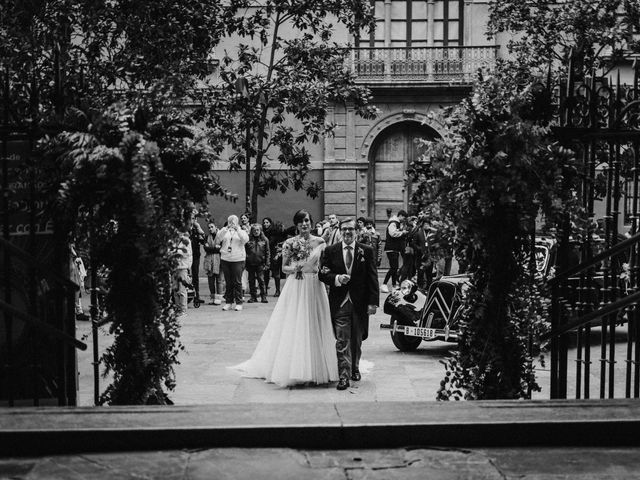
(343, 384)
(355, 376)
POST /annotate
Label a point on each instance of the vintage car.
(417, 315)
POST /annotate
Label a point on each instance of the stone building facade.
(421, 58)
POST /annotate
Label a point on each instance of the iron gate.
(595, 313)
(37, 317)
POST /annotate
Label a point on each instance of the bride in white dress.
(298, 344)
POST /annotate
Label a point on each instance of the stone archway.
(391, 152)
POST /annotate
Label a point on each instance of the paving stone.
(267, 464)
(73, 468)
(555, 463)
(215, 340)
(16, 468)
(282, 464)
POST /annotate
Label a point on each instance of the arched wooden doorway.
(392, 152)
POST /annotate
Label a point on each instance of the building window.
(447, 23)
(410, 25)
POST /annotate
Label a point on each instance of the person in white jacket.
(232, 240)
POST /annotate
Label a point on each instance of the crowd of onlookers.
(242, 258)
(411, 239)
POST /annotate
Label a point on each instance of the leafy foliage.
(597, 32)
(122, 160)
(494, 171)
(120, 187)
(286, 87)
(86, 53)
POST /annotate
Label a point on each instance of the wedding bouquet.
(299, 251)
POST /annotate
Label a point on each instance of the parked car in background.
(417, 314)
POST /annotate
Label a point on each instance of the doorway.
(393, 151)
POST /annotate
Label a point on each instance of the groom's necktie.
(349, 257)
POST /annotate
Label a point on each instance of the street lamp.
(242, 88)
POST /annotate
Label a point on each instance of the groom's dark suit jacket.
(363, 286)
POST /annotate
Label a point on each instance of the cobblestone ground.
(215, 340)
(281, 464)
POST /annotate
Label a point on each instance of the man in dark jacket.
(197, 237)
(258, 258)
(393, 245)
(349, 268)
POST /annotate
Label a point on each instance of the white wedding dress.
(298, 344)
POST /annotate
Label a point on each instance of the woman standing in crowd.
(197, 237)
(267, 230)
(232, 240)
(257, 262)
(369, 236)
(212, 265)
(276, 240)
(245, 224)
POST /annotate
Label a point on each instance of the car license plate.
(420, 332)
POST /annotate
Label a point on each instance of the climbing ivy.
(495, 171)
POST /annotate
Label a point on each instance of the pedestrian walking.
(424, 263)
(211, 265)
(78, 273)
(258, 259)
(348, 269)
(232, 240)
(394, 244)
(297, 345)
(408, 253)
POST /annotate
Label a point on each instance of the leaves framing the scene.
(280, 82)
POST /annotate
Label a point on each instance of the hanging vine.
(119, 189)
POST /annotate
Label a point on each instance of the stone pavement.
(384, 427)
(215, 340)
(449, 440)
(284, 464)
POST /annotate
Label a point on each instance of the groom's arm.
(373, 287)
(325, 274)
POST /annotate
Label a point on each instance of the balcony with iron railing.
(421, 65)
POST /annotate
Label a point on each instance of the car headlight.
(406, 287)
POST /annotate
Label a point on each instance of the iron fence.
(37, 315)
(595, 300)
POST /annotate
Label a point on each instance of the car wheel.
(404, 343)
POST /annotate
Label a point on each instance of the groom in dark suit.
(349, 268)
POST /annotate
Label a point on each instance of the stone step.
(348, 425)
